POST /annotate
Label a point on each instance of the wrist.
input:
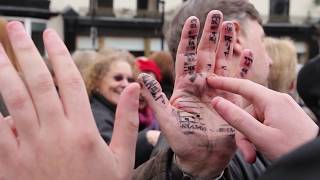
(194, 171)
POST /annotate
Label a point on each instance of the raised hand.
(201, 140)
(56, 137)
(278, 124)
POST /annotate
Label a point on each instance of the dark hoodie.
(308, 85)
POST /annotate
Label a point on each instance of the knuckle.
(86, 140)
(73, 81)
(285, 97)
(43, 83)
(18, 100)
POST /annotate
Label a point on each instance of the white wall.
(59, 5)
(298, 8)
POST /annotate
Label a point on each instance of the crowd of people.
(224, 108)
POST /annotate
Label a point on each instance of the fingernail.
(15, 26)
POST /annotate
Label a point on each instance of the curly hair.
(101, 66)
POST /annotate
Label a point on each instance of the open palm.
(198, 136)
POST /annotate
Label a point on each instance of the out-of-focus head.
(145, 65)
(83, 59)
(165, 62)
(308, 85)
(249, 32)
(110, 74)
(282, 75)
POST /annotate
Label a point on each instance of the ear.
(292, 86)
(238, 47)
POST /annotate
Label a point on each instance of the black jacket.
(301, 164)
(104, 115)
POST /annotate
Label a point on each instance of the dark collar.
(99, 97)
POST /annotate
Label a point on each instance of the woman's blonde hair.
(282, 75)
(101, 66)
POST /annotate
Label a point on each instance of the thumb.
(152, 92)
(124, 137)
(246, 148)
(241, 120)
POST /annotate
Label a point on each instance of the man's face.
(254, 36)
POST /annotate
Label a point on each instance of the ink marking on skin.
(244, 72)
(189, 68)
(193, 23)
(228, 130)
(213, 37)
(228, 41)
(161, 99)
(189, 65)
(193, 77)
(229, 28)
(247, 64)
(151, 85)
(209, 66)
(191, 122)
(215, 21)
(248, 61)
(191, 45)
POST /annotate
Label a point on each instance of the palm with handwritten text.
(201, 140)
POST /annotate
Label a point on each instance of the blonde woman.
(105, 80)
(282, 76)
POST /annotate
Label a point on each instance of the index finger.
(251, 91)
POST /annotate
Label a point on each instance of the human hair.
(165, 62)
(283, 70)
(101, 66)
(83, 59)
(239, 10)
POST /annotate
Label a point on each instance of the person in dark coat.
(105, 79)
(308, 85)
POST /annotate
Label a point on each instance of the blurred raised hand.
(55, 135)
(202, 141)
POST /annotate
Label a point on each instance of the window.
(142, 4)
(279, 10)
(105, 3)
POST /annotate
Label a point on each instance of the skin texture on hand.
(274, 123)
(201, 140)
(55, 136)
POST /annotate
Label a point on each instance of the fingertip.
(248, 52)
(215, 102)
(132, 91)
(215, 12)
(48, 32)
(14, 25)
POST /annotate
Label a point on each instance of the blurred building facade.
(136, 25)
